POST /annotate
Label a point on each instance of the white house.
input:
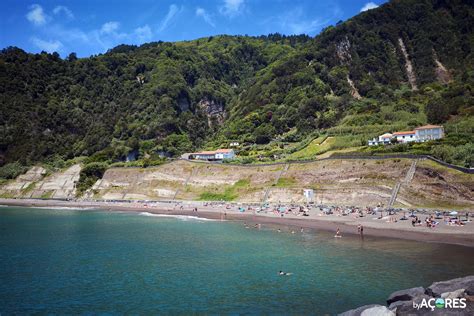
(420, 134)
(405, 137)
(429, 132)
(219, 154)
(225, 154)
(381, 140)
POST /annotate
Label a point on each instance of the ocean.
(66, 261)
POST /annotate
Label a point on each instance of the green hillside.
(404, 64)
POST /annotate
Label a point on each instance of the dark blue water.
(69, 262)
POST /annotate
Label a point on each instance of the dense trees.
(175, 97)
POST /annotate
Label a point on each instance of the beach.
(374, 225)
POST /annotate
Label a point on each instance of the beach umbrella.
(454, 213)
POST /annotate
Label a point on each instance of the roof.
(429, 126)
(205, 153)
(404, 133)
(213, 152)
(386, 135)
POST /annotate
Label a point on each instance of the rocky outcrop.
(354, 92)
(438, 288)
(358, 311)
(442, 74)
(402, 302)
(343, 51)
(405, 295)
(214, 111)
(408, 65)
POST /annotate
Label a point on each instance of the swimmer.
(338, 233)
(279, 230)
(284, 273)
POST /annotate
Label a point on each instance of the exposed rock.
(408, 309)
(354, 92)
(215, 111)
(455, 294)
(342, 51)
(405, 295)
(438, 288)
(443, 75)
(402, 302)
(408, 65)
(358, 311)
(417, 299)
(377, 311)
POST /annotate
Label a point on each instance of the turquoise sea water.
(70, 262)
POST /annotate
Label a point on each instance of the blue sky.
(90, 27)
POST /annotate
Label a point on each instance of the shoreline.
(463, 236)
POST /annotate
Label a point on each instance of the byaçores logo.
(432, 303)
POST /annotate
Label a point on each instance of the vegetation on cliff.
(352, 81)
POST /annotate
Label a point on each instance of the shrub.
(90, 173)
(12, 170)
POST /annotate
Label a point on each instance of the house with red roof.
(405, 137)
(419, 134)
(429, 132)
(213, 155)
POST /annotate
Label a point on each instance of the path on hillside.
(267, 190)
(408, 178)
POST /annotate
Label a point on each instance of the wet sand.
(460, 235)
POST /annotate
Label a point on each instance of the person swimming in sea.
(338, 233)
(284, 273)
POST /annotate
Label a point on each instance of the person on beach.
(358, 228)
(362, 230)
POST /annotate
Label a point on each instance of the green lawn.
(317, 146)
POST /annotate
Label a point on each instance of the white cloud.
(368, 6)
(48, 46)
(232, 8)
(143, 34)
(109, 27)
(294, 22)
(305, 27)
(207, 18)
(36, 15)
(62, 9)
(172, 12)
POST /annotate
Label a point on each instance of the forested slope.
(404, 64)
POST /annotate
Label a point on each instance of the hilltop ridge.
(401, 65)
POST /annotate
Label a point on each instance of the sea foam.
(180, 217)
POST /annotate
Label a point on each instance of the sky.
(89, 27)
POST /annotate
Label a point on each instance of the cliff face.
(335, 182)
